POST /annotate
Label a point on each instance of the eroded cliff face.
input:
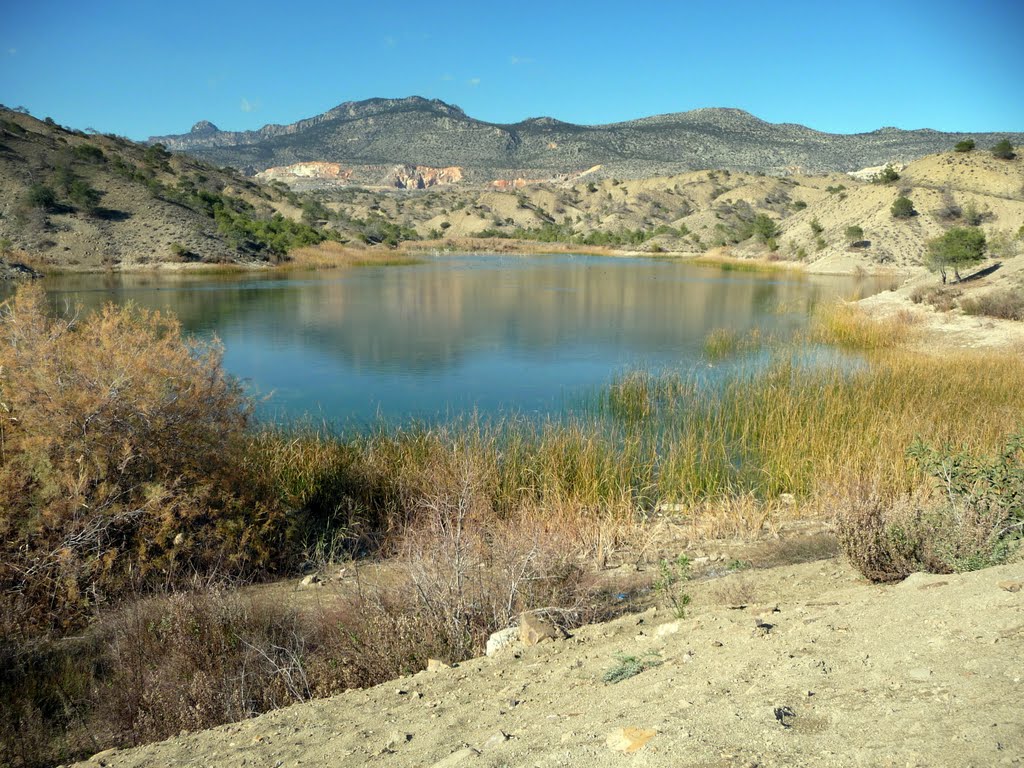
(311, 170)
(518, 183)
(422, 176)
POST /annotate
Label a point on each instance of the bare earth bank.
(804, 665)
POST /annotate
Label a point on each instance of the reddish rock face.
(422, 176)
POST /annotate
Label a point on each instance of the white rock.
(501, 640)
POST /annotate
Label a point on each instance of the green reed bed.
(790, 425)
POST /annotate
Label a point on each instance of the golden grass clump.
(850, 327)
(331, 254)
(721, 343)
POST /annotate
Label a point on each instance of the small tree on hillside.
(903, 208)
(1003, 150)
(854, 234)
(964, 146)
(958, 247)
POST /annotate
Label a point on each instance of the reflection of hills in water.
(434, 316)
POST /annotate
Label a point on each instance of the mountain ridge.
(430, 132)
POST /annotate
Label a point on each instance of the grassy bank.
(146, 494)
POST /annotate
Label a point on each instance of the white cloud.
(474, 81)
(447, 78)
(514, 60)
(248, 106)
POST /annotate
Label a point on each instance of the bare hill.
(369, 136)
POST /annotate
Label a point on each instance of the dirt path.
(804, 665)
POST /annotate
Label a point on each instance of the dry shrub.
(200, 658)
(887, 539)
(120, 442)
(1006, 304)
(209, 655)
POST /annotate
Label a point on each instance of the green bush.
(41, 196)
(765, 228)
(886, 176)
(89, 153)
(964, 146)
(83, 196)
(903, 208)
(854, 233)
(1003, 150)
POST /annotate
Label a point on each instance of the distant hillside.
(722, 212)
(71, 200)
(369, 137)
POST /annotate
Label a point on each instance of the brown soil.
(800, 665)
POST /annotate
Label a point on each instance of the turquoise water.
(461, 334)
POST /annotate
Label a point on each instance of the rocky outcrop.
(422, 176)
(867, 174)
(519, 183)
(312, 170)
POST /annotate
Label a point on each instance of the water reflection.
(460, 333)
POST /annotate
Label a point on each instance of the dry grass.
(331, 255)
(725, 342)
(738, 264)
(494, 245)
(850, 327)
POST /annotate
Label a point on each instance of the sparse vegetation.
(964, 146)
(670, 585)
(1003, 150)
(627, 666)
(903, 208)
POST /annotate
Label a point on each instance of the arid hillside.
(72, 200)
(807, 219)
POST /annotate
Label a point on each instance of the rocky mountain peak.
(204, 127)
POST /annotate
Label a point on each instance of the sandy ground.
(804, 665)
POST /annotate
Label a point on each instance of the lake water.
(458, 334)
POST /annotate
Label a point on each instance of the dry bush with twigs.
(120, 446)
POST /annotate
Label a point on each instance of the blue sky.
(139, 68)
